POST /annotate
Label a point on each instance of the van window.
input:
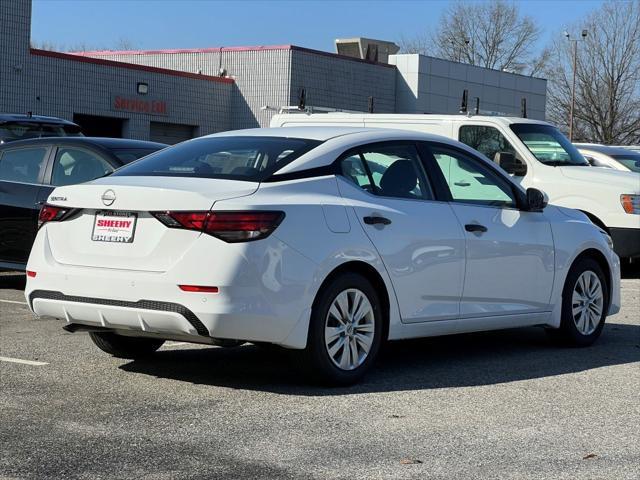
(485, 139)
(548, 145)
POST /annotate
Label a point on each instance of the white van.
(534, 152)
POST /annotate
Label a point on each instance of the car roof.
(105, 142)
(335, 141)
(324, 133)
(20, 117)
(606, 149)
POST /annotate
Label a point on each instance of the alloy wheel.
(587, 302)
(349, 329)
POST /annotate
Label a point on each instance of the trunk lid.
(150, 245)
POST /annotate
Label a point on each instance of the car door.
(418, 238)
(509, 251)
(21, 172)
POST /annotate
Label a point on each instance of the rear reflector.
(228, 226)
(198, 288)
(31, 273)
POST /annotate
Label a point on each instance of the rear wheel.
(125, 347)
(345, 332)
(585, 299)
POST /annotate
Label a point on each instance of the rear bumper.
(144, 315)
(626, 241)
(264, 292)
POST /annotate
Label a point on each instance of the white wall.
(432, 85)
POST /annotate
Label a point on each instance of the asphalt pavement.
(505, 404)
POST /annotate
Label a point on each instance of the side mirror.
(510, 164)
(536, 200)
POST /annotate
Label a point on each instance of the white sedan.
(617, 158)
(325, 240)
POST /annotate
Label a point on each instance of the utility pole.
(573, 88)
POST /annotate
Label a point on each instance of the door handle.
(40, 203)
(462, 183)
(376, 220)
(474, 227)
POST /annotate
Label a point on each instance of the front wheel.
(345, 331)
(125, 347)
(585, 299)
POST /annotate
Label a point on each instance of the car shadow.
(486, 358)
(12, 281)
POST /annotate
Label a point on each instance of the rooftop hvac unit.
(366, 49)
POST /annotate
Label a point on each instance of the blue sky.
(156, 24)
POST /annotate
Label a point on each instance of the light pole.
(573, 88)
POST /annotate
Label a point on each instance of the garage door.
(171, 133)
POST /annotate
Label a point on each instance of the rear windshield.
(10, 131)
(548, 145)
(236, 158)
(632, 162)
(128, 155)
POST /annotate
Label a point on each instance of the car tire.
(125, 347)
(345, 331)
(585, 301)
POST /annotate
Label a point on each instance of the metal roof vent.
(366, 49)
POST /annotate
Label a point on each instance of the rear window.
(10, 131)
(237, 158)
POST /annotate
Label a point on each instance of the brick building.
(171, 95)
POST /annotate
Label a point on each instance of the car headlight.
(608, 238)
(630, 203)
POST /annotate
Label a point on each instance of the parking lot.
(492, 405)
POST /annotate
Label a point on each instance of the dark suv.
(31, 169)
(20, 127)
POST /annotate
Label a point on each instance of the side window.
(22, 164)
(393, 171)
(73, 165)
(486, 140)
(472, 182)
(353, 169)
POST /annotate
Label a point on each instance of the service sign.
(139, 104)
(114, 227)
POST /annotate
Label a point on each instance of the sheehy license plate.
(117, 227)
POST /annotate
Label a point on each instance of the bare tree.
(489, 34)
(122, 43)
(419, 44)
(607, 106)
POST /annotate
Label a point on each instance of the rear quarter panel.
(319, 226)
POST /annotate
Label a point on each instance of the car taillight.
(228, 226)
(51, 213)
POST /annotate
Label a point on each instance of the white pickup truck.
(534, 152)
